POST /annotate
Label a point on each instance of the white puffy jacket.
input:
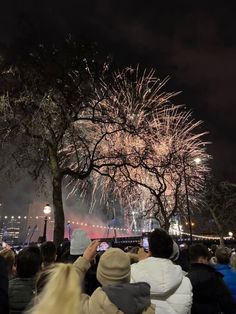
(171, 291)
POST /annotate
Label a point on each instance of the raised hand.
(91, 250)
(142, 254)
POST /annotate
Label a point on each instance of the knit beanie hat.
(175, 253)
(113, 267)
(79, 242)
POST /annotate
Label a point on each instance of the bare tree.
(56, 112)
(165, 155)
(79, 124)
(220, 200)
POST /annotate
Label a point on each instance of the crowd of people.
(76, 278)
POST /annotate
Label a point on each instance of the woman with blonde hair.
(116, 294)
(9, 257)
(57, 290)
(59, 287)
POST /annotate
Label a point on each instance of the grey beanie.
(113, 267)
(79, 242)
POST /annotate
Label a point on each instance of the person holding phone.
(103, 246)
(79, 242)
(171, 291)
(116, 295)
(145, 243)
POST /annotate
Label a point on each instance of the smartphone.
(145, 243)
(103, 246)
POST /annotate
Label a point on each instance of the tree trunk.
(166, 223)
(219, 227)
(59, 219)
(222, 241)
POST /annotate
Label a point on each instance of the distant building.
(11, 229)
(27, 228)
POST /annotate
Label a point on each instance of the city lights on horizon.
(175, 229)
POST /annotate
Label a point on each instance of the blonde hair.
(9, 256)
(61, 292)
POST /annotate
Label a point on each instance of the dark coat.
(229, 277)
(21, 292)
(3, 287)
(210, 294)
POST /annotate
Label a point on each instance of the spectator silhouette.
(210, 294)
(116, 295)
(21, 288)
(171, 291)
(9, 257)
(63, 251)
(49, 253)
(223, 266)
(57, 290)
(79, 243)
(3, 287)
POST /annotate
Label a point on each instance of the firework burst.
(140, 142)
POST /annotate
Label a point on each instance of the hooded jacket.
(229, 277)
(171, 291)
(115, 299)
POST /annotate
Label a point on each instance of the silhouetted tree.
(220, 200)
(165, 158)
(54, 111)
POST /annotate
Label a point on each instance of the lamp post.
(47, 210)
(188, 206)
(197, 161)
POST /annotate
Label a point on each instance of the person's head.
(233, 261)
(63, 251)
(160, 244)
(40, 240)
(184, 247)
(49, 252)
(175, 252)
(79, 242)
(9, 257)
(198, 253)
(28, 262)
(222, 255)
(113, 267)
(213, 249)
(57, 290)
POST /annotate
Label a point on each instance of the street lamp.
(47, 210)
(197, 161)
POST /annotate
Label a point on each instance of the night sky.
(192, 42)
